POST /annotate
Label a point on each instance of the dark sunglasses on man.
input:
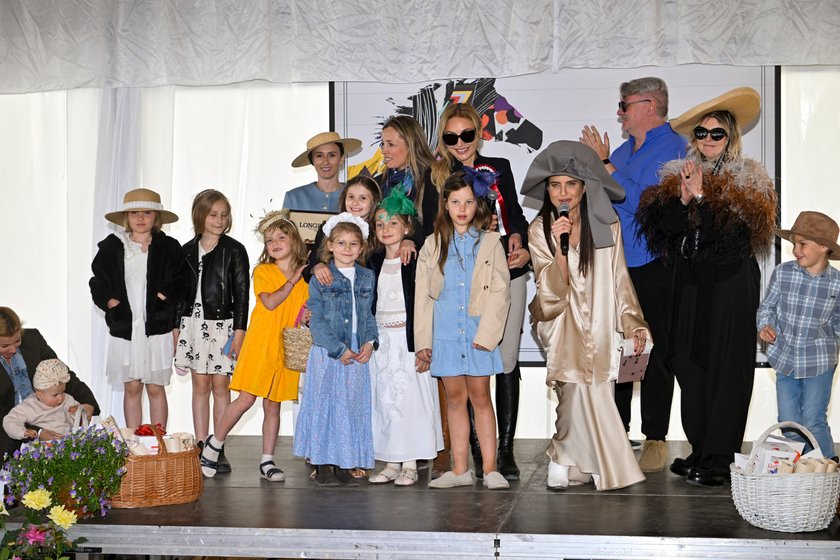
(717, 134)
(450, 138)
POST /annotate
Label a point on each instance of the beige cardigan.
(489, 292)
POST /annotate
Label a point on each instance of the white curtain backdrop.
(66, 44)
(67, 158)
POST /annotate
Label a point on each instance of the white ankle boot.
(558, 476)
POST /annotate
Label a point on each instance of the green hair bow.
(397, 203)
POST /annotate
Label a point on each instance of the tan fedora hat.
(350, 146)
(815, 226)
(139, 200)
(744, 103)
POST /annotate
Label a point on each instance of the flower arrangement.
(39, 538)
(84, 468)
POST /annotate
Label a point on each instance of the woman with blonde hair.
(709, 217)
(407, 158)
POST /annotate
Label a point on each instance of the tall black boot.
(475, 448)
(507, 411)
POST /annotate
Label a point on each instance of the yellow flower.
(62, 517)
(3, 510)
(37, 499)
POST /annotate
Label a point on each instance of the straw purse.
(297, 341)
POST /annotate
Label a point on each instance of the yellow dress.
(259, 369)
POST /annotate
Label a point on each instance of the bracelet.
(606, 161)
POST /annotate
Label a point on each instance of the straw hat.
(138, 200)
(815, 226)
(573, 159)
(744, 103)
(50, 373)
(350, 145)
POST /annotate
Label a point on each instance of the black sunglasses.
(450, 138)
(624, 104)
(717, 134)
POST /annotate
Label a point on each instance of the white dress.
(406, 410)
(200, 341)
(145, 358)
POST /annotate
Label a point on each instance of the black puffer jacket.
(163, 275)
(224, 281)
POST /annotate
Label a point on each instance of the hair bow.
(397, 203)
(347, 217)
(480, 180)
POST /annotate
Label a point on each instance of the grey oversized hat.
(573, 159)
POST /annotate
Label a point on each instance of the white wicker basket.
(791, 503)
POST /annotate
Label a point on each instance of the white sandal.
(408, 477)
(388, 474)
(271, 472)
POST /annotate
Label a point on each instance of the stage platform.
(242, 515)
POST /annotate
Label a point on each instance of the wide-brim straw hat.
(350, 146)
(138, 200)
(744, 103)
(573, 159)
(815, 226)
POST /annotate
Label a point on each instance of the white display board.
(527, 113)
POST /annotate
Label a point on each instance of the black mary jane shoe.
(680, 467)
(223, 463)
(345, 478)
(706, 477)
(324, 476)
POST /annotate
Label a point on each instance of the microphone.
(563, 211)
(492, 196)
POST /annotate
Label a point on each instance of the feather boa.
(741, 199)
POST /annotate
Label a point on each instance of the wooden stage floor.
(241, 515)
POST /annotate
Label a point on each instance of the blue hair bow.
(480, 180)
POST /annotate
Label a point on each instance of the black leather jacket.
(224, 281)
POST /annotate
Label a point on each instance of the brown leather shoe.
(443, 463)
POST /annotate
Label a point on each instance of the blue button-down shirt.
(805, 312)
(636, 171)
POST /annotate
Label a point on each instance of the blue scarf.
(403, 180)
(20, 377)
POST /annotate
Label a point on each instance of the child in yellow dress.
(260, 371)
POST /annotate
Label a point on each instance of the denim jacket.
(332, 317)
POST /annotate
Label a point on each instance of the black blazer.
(34, 349)
(408, 272)
(163, 274)
(507, 188)
(225, 281)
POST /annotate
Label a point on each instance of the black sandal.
(208, 466)
(272, 473)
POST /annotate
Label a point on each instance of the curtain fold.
(65, 44)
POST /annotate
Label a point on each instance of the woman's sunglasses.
(717, 134)
(450, 138)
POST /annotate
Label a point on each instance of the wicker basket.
(791, 503)
(297, 341)
(160, 480)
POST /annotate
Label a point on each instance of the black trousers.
(654, 288)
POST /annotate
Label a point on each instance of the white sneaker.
(558, 476)
(450, 480)
(495, 481)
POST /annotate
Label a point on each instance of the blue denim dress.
(454, 329)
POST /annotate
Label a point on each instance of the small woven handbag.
(297, 341)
